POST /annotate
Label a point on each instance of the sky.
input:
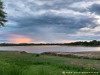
(51, 21)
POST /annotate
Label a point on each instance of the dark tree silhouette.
(2, 14)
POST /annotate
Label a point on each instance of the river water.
(40, 49)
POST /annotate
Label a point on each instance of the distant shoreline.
(49, 45)
(93, 43)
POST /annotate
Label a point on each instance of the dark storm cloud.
(95, 8)
(59, 4)
(49, 19)
(60, 24)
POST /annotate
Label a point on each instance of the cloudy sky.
(51, 21)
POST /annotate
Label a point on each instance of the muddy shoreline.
(83, 55)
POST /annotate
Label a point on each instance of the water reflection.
(40, 49)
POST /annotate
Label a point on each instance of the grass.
(16, 63)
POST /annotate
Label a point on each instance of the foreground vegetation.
(21, 63)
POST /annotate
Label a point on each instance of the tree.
(2, 14)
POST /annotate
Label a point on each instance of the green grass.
(16, 63)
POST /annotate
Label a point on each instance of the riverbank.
(23, 63)
(82, 55)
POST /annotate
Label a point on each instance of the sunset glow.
(19, 39)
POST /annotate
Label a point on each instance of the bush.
(37, 55)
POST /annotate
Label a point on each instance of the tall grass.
(29, 64)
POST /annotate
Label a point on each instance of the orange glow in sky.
(67, 41)
(19, 39)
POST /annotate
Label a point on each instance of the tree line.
(85, 43)
(79, 43)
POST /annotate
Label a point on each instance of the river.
(40, 49)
